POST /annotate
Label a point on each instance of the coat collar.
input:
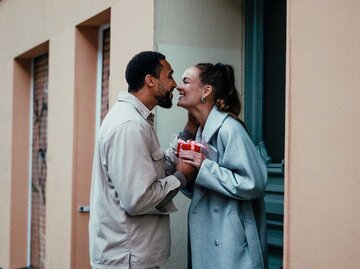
(213, 123)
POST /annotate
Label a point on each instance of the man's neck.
(144, 96)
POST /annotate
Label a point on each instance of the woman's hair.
(221, 78)
(143, 64)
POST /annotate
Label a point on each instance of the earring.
(202, 100)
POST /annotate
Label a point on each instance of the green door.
(265, 47)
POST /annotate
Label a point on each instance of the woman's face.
(190, 88)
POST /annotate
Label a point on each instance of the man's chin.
(164, 101)
(165, 105)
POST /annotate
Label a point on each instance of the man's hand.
(192, 124)
(189, 171)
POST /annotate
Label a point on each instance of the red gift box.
(188, 145)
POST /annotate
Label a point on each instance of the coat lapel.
(213, 123)
(204, 136)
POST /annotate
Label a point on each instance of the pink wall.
(323, 130)
(72, 46)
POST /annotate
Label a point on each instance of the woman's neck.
(201, 114)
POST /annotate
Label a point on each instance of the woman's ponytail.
(226, 96)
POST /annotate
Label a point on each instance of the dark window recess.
(274, 78)
(39, 166)
(105, 73)
(265, 54)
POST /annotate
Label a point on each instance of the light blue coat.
(227, 226)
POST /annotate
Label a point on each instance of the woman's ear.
(207, 90)
(149, 80)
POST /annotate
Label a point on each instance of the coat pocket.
(158, 161)
(238, 227)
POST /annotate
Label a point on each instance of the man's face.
(166, 85)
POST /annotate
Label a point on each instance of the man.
(131, 190)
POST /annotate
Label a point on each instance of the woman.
(227, 226)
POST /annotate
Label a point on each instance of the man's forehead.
(166, 66)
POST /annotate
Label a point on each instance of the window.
(265, 40)
(38, 167)
(103, 73)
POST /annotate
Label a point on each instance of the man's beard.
(164, 100)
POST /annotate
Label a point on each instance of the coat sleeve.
(235, 168)
(131, 160)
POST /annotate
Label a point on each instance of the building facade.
(62, 65)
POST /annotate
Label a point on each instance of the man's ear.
(149, 80)
(207, 90)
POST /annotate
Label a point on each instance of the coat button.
(217, 242)
(216, 209)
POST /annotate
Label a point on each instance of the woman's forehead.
(191, 72)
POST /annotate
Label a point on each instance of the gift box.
(188, 145)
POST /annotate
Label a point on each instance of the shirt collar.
(139, 106)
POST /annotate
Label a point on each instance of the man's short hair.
(143, 64)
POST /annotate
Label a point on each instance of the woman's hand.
(192, 157)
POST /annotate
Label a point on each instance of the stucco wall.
(5, 160)
(323, 130)
(189, 32)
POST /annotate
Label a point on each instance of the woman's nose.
(179, 86)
